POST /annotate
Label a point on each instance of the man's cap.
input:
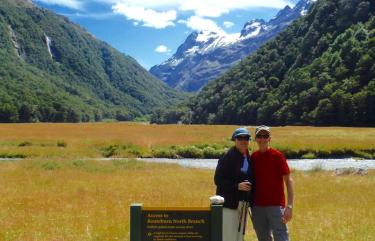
(242, 131)
(262, 128)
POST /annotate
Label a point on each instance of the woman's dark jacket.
(228, 175)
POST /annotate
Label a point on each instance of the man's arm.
(290, 190)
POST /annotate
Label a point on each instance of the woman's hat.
(242, 131)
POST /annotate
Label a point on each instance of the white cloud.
(203, 8)
(98, 16)
(149, 17)
(153, 4)
(163, 13)
(181, 21)
(216, 8)
(74, 4)
(162, 49)
(202, 24)
(200, 6)
(135, 23)
(228, 24)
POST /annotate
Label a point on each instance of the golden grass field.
(89, 200)
(89, 139)
(58, 193)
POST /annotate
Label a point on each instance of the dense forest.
(319, 71)
(52, 70)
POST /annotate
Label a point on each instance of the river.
(297, 164)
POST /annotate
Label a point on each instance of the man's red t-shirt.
(269, 167)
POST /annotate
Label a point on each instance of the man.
(233, 178)
(270, 214)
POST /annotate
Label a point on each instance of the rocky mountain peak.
(252, 27)
(206, 54)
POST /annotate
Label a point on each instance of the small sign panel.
(175, 225)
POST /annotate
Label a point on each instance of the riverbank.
(60, 199)
(47, 140)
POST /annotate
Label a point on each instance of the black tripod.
(245, 210)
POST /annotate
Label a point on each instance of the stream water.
(297, 164)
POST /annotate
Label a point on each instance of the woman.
(234, 181)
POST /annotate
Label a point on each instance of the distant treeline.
(57, 113)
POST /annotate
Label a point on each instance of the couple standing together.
(253, 186)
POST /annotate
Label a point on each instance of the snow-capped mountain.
(205, 55)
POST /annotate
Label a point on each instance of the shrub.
(164, 152)
(12, 155)
(339, 153)
(309, 155)
(363, 154)
(323, 154)
(110, 151)
(125, 150)
(25, 143)
(210, 152)
(190, 152)
(61, 144)
(290, 154)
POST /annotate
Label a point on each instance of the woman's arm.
(221, 176)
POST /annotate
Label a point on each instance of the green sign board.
(175, 224)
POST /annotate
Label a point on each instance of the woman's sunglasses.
(265, 136)
(243, 138)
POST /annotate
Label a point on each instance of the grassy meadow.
(60, 192)
(199, 141)
(89, 200)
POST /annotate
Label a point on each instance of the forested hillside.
(319, 71)
(52, 70)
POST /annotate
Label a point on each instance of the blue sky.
(151, 31)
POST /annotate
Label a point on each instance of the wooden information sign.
(175, 224)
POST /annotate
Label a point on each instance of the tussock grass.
(56, 199)
(207, 141)
(88, 200)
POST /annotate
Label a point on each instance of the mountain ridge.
(205, 55)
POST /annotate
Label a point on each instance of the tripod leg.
(245, 218)
(240, 220)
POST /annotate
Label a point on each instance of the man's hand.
(244, 186)
(288, 213)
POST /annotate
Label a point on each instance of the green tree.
(8, 113)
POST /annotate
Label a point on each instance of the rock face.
(206, 55)
(17, 47)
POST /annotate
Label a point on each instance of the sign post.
(176, 224)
